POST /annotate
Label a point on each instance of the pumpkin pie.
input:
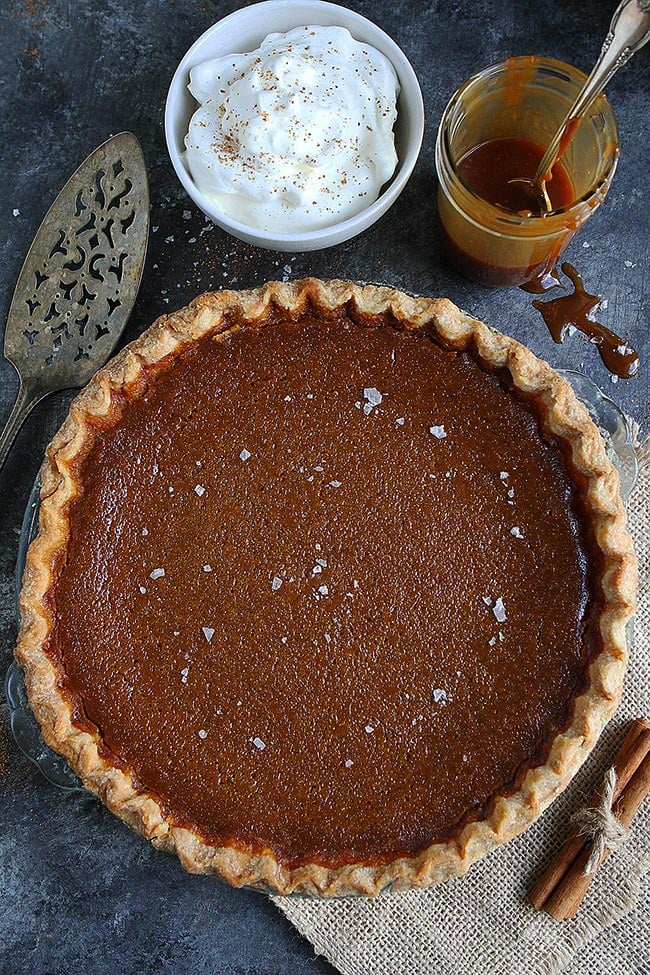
(331, 588)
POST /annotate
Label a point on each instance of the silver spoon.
(628, 32)
(80, 278)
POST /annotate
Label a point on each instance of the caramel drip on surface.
(578, 309)
(542, 282)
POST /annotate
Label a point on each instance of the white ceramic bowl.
(243, 31)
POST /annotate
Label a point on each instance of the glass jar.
(521, 98)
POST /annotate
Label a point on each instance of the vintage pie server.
(80, 278)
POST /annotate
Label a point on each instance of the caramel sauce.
(489, 168)
(578, 309)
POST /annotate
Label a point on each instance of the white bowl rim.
(367, 216)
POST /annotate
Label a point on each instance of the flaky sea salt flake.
(372, 395)
(276, 583)
(245, 454)
(259, 744)
(439, 696)
(199, 489)
(156, 573)
(499, 611)
(516, 532)
(438, 432)
(208, 632)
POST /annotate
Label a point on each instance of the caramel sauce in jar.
(496, 127)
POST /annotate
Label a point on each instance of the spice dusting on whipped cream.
(296, 135)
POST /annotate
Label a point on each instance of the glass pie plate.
(605, 413)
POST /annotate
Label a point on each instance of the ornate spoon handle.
(628, 32)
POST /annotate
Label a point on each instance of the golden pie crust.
(565, 418)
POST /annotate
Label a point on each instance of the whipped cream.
(296, 135)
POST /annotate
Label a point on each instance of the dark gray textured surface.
(78, 891)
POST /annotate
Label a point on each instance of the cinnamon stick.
(561, 889)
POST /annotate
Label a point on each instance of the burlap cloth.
(482, 924)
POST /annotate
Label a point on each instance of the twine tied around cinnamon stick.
(600, 829)
(599, 825)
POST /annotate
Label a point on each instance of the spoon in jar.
(628, 32)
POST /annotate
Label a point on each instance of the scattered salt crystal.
(438, 432)
(145, 531)
(367, 408)
(259, 744)
(504, 475)
(199, 464)
(187, 214)
(277, 582)
(184, 673)
(245, 454)
(629, 264)
(318, 546)
(372, 395)
(199, 489)
(16, 212)
(400, 421)
(207, 568)
(515, 531)
(501, 637)
(157, 574)
(511, 493)
(318, 469)
(335, 484)
(328, 638)
(142, 589)
(571, 330)
(349, 763)
(355, 584)
(614, 378)
(465, 759)
(310, 395)
(487, 600)
(322, 562)
(492, 641)
(208, 632)
(499, 611)
(316, 570)
(287, 399)
(177, 632)
(283, 639)
(622, 349)
(170, 489)
(369, 729)
(439, 696)
(203, 734)
(323, 590)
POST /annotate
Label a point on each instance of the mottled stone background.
(78, 891)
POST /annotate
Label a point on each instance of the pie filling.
(326, 592)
